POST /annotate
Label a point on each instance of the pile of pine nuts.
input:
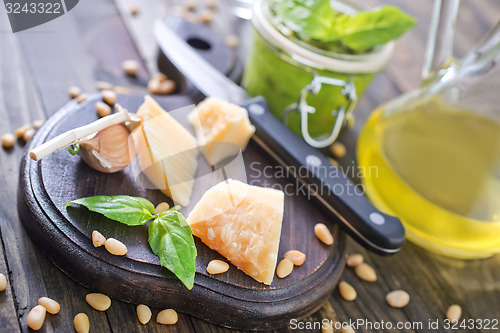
(395, 298)
(24, 133)
(36, 316)
(291, 259)
(195, 12)
(108, 92)
(159, 84)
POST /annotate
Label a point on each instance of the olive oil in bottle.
(438, 170)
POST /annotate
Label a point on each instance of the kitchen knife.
(381, 233)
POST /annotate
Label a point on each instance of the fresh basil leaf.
(366, 30)
(122, 208)
(311, 19)
(171, 239)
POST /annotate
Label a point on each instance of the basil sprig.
(317, 22)
(170, 237)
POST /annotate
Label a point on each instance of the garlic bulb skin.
(107, 150)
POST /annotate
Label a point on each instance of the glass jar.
(312, 90)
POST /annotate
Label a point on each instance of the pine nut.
(19, 132)
(365, 272)
(160, 77)
(74, 91)
(454, 313)
(157, 87)
(131, 67)
(37, 123)
(296, 257)
(334, 162)
(49, 304)
(121, 90)
(8, 140)
(102, 109)
(191, 5)
(347, 291)
(397, 298)
(109, 97)
(212, 4)
(167, 87)
(134, 10)
(81, 98)
(143, 314)
(232, 41)
(103, 85)
(162, 206)
(98, 239)
(115, 247)
(323, 233)
(3, 282)
(217, 267)
(98, 301)
(206, 16)
(285, 267)
(354, 260)
(338, 149)
(167, 317)
(81, 323)
(36, 317)
(28, 134)
(154, 86)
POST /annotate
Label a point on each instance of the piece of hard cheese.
(166, 152)
(243, 223)
(217, 122)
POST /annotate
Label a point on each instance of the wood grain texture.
(31, 274)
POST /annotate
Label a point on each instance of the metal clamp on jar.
(322, 87)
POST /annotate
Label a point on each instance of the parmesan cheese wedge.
(166, 152)
(217, 122)
(243, 223)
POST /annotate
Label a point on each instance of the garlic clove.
(107, 150)
(72, 136)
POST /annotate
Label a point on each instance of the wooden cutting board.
(232, 299)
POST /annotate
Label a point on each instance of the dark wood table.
(37, 67)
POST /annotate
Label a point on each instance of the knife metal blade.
(204, 76)
(379, 232)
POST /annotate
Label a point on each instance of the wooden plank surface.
(37, 66)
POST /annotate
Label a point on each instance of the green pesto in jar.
(273, 76)
(270, 72)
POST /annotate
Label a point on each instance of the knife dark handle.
(381, 233)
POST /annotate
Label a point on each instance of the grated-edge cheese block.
(218, 121)
(166, 152)
(243, 223)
